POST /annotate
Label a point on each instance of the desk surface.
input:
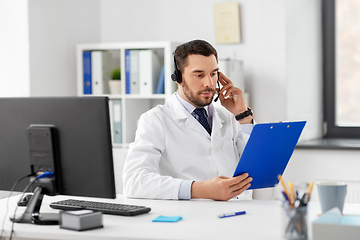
(200, 221)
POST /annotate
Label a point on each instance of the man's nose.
(209, 81)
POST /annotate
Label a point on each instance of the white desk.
(200, 221)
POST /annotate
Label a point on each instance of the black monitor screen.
(84, 142)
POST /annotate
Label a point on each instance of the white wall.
(339, 165)
(55, 28)
(14, 49)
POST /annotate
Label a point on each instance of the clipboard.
(268, 152)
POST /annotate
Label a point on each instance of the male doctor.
(187, 148)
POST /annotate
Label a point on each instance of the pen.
(309, 192)
(284, 186)
(285, 196)
(231, 214)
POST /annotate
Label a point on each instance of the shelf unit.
(132, 105)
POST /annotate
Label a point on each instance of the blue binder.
(127, 72)
(87, 72)
(268, 152)
(160, 87)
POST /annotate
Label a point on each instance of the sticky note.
(167, 219)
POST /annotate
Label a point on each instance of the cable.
(43, 175)
(7, 202)
(26, 188)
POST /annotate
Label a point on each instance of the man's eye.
(199, 75)
(213, 74)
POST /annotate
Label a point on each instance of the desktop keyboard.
(107, 208)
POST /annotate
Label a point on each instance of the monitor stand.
(32, 213)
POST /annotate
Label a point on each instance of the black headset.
(176, 75)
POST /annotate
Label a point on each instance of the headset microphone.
(217, 97)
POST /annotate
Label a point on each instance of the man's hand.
(233, 99)
(221, 188)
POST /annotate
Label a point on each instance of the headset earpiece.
(176, 75)
(173, 76)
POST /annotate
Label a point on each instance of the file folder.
(117, 121)
(87, 72)
(268, 152)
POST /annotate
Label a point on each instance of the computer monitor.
(82, 138)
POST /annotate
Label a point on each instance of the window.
(341, 61)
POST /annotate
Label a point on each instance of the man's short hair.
(200, 47)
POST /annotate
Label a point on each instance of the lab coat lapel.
(194, 125)
(217, 121)
(181, 115)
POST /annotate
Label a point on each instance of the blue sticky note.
(350, 220)
(167, 219)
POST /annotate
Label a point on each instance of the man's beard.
(195, 98)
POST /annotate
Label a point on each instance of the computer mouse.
(24, 199)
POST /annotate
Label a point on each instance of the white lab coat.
(171, 145)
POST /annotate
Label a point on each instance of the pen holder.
(294, 222)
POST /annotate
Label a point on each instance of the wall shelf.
(125, 108)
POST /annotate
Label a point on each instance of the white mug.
(332, 194)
